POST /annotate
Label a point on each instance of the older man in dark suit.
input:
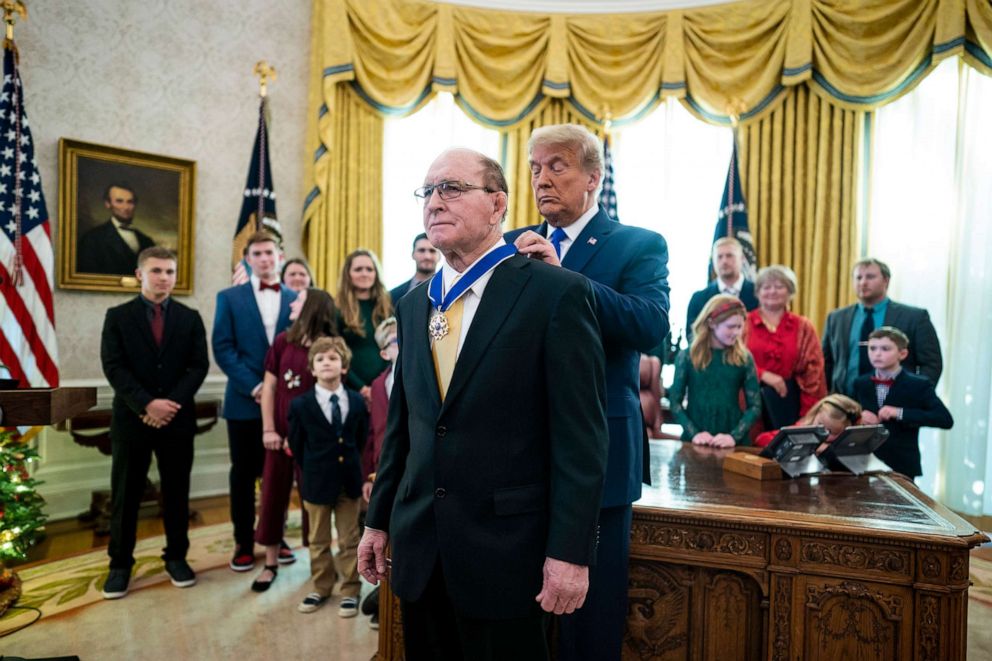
(845, 339)
(627, 268)
(154, 354)
(113, 247)
(492, 468)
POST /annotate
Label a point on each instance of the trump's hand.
(565, 586)
(372, 560)
(532, 244)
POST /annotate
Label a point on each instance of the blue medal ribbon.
(483, 266)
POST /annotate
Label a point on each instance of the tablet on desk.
(853, 450)
(794, 447)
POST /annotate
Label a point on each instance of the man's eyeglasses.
(448, 190)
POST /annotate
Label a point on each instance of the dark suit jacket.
(102, 250)
(628, 270)
(701, 297)
(920, 408)
(140, 371)
(396, 293)
(924, 347)
(509, 468)
(328, 462)
(240, 345)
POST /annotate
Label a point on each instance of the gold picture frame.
(97, 185)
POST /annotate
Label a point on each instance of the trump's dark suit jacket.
(139, 371)
(920, 408)
(509, 468)
(924, 347)
(628, 270)
(102, 250)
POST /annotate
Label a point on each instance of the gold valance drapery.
(742, 58)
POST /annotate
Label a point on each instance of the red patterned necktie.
(262, 286)
(879, 381)
(158, 323)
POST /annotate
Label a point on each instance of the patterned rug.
(981, 581)
(63, 585)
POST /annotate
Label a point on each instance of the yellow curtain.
(517, 70)
(523, 210)
(798, 171)
(346, 212)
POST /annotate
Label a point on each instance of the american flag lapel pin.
(592, 240)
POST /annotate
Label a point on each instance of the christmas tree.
(21, 516)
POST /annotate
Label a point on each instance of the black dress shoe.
(262, 586)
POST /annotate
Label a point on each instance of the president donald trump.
(495, 452)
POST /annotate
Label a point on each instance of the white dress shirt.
(573, 231)
(127, 235)
(324, 401)
(268, 307)
(474, 294)
(734, 289)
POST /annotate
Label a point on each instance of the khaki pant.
(324, 567)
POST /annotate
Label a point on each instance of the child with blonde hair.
(835, 413)
(713, 372)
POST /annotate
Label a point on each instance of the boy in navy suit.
(327, 430)
(901, 401)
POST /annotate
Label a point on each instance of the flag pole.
(265, 73)
(734, 108)
(11, 7)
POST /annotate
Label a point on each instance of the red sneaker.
(242, 561)
(286, 555)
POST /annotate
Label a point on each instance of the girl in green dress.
(713, 372)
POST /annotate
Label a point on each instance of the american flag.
(608, 196)
(731, 220)
(27, 319)
(259, 201)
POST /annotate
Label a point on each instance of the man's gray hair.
(570, 135)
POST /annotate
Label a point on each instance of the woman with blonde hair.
(713, 372)
(363, 303)
(786, 349)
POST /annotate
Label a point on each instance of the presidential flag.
(28, 348)
(732, 220)
(258, 208)
(608, 196)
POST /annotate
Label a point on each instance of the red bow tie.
(262, 286)
(878, 381)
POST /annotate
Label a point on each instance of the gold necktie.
(445, 350)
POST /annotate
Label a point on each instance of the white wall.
(172, 78)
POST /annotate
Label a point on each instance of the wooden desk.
(724, 567)
(830, 567)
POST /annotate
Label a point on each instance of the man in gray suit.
(845, 337)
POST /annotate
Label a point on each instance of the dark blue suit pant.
(244, 439)
(595, 631)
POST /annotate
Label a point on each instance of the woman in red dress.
(786, 350)
(286, 377)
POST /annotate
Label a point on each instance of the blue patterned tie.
(556, 238)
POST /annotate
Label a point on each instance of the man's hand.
(372, 561)
(256, 393)
(889, 413)
(532, 244)
(161, 411)
(367, 491)
(151, 422)
(776, 382)
(869, 418)
(565, 586)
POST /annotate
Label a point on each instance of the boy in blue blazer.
(327, 430)
(247, 318)
(898, 399)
